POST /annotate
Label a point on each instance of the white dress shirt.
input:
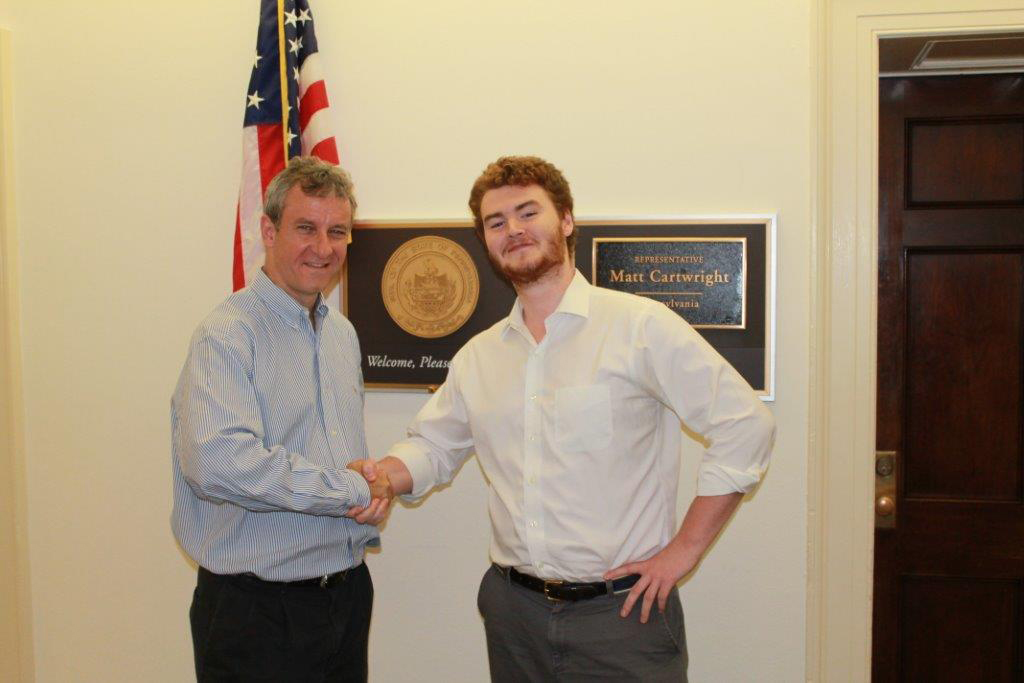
(579, 435)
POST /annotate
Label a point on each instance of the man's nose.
(322, 244)
(515, 227)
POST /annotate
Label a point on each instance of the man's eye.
(529, 214)
(304, 228)
(338, 233)
(496, 224)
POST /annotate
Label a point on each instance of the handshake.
(381, 492)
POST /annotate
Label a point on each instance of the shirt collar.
(279, 301)
(575, 301)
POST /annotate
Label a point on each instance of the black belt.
(327, 581)
(566, 590)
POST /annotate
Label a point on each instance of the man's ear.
(568, 224)
(268, 231)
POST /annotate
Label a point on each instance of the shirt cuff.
(718, 480)
(352, 484)
(419, 467)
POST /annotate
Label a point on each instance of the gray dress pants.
(531, 638)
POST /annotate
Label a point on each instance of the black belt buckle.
(582, 591)
(548, 583)
(562, 591)
(332, 579)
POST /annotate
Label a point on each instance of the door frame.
(844, 314)
(15, 590)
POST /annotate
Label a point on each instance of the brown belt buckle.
(547, 584)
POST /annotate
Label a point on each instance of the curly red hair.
(523, 171)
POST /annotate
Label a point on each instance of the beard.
(552, 254)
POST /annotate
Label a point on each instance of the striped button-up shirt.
(266, 414)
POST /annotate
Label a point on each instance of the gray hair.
(316, 177)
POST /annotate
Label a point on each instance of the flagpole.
(282, 63)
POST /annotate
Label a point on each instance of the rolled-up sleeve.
(707, 394)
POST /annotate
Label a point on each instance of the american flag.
(277, 128)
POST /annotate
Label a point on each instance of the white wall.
(127, 156)
(15, 656)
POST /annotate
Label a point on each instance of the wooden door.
(949, 573)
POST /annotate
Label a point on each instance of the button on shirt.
(579, 435)
(266, 414)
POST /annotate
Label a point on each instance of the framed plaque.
(717, 273)
(417, 291)
(701, 278)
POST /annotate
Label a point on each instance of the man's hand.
(705, 518)
(376, 477)
(658, 575)
(381, 493)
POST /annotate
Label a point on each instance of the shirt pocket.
(583, 417)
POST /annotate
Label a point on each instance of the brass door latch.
(885, 489)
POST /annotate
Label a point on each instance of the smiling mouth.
(317, 265)
(518, 246)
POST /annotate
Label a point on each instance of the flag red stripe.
(268, 139)
(271, 153)
(238, 267)
(312, 101)
(326, 150)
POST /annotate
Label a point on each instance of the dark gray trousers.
(530, 638)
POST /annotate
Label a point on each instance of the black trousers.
(245, 629)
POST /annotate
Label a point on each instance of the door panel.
(971, 162)
(963, 364)
(958, 629)
(949, 574)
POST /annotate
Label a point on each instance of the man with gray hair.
(266, 417)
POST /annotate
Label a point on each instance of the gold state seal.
(430, 286)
